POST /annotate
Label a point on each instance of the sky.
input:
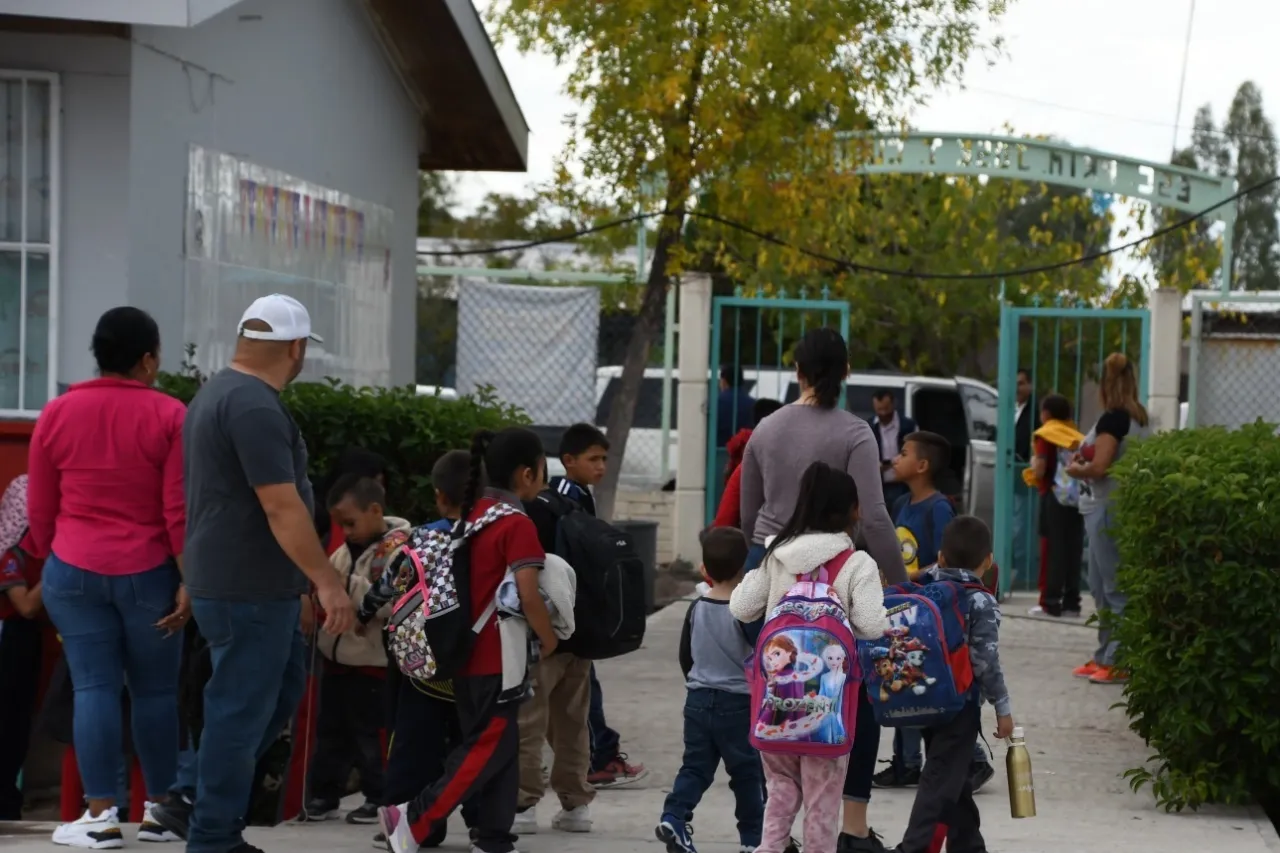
(1102, 74)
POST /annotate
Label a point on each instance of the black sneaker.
(174, 814)
(853, 844)
(366, 814)
(245, 847)
(793, 846)
(317, 810)
(980, 773)
(896, 776)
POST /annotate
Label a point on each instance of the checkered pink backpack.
(430, 631)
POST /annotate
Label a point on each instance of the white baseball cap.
(287, 317)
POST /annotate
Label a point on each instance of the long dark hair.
(822, 358)
(496, 457)
(828, 496)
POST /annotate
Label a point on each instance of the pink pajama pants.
(796, 780)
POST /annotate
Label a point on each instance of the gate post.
(691, 416)
(1164, 358)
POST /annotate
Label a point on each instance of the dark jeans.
(1064, 528)
(605, 742)
(349, 734)
(755, 556)
(426, 730)
(107, 624)
(259, 675)
(483, 767)
(716, 724)
(944, 796)
(20, 675)
(866, 749)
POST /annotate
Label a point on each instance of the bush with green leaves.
(411, 432)
(1197, 522)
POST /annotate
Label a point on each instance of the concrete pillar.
(691, 420)
(1164, 361)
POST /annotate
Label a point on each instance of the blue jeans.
(716, 724)
(755, 556)
(259, 676)
(605, 742)
(107, 624)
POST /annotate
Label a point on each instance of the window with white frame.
(28, 240)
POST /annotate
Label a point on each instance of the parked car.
(436, 391)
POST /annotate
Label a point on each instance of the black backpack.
(609, 614)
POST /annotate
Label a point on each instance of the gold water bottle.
(1017, 763)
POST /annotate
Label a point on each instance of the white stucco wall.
(310, 93)
(94, 83)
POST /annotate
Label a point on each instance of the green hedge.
(409, 431)
(1198, 527)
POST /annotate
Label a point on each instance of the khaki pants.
(557, 713)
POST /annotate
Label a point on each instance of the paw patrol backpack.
(918, 674)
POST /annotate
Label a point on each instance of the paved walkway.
(1079, 749)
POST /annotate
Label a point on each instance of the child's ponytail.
(479, 446)
(827, 499)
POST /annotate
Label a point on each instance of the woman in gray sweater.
(817, 428)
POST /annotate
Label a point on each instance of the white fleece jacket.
(857, 584)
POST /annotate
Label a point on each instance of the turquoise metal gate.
(1061, 348)
(752, 338)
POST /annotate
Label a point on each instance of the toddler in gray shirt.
(714, 647)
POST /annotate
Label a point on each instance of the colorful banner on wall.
(252, 230)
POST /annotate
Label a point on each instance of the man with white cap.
(251, 547)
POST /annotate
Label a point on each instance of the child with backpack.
(584, 452)
(424, 723)
(20, 642)
(1056, 441)
(352, 701)
(717, 707)
(921, 515)
(939, 658)
(447, 627)
(817, 592)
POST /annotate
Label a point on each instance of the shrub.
(409, 431)
(1198, 528)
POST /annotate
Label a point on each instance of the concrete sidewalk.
(1079, 749)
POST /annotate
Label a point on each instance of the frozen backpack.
(918, 674)
(1065, 489)
(804, 671)
(430, 631)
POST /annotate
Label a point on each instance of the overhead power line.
(846, 265)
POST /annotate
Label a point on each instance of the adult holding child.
(105, 505)
(1123, 418)
(816, 428)
(251, 548)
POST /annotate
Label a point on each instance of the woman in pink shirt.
(105, 505)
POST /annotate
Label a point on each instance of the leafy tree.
(937, 225)
(1245, 148)
(436, 202)
(690, 95)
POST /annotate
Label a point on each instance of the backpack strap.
(826, 573)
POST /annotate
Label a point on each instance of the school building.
(187, 156)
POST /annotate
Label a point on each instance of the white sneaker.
(394, 823)
(576, 819)
(92, 833)
(526, 822)
(151, 830)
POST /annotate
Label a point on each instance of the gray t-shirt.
(1095, 495)
(239, 436)
(782, 448)
(714, 648)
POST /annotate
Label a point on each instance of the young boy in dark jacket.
(584, 452)
(945, 794)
